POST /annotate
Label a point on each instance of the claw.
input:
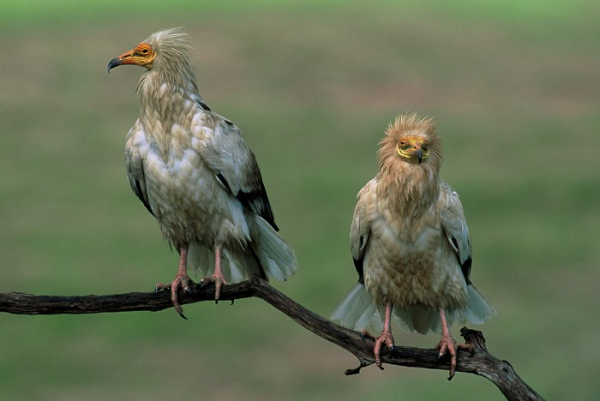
(217, 276)
(181, 280)
(448, 344)
(385, 337)
(219, 281)
(364, 335)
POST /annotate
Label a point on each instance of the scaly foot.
(181, 280)
(219, 280)
(447, 343)
(217, 276)
(385, 338)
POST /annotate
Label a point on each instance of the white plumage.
(193, 171)
(410, 244)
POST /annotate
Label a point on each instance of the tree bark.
(479, 361)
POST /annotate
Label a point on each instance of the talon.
(219, 280)
(443, 348)
(217, 276)
(447, 343)
(364, 335)
(181, 280)
(467, 347)
(385, 337)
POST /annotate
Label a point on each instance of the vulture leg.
(385, 337)
(181, 280)
(447, 343)
(217, 276)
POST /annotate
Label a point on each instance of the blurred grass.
(513, 86)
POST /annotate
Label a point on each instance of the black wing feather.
(358, 263)
(256, 201)
(140, 194)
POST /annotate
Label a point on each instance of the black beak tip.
(115, 62)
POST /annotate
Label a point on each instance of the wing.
(361, 227)
(135, 166)
(455, 227)
(223, 149)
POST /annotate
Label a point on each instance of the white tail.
(478, 309)
(357, 311)
(424, 319)
(235, 268)
(276, 257)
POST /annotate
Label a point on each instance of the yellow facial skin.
(414, 149)
(142, 55)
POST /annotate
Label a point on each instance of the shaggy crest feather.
(173, 62)
(194, 173)
(410, 244)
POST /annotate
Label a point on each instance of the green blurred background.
(514, 87)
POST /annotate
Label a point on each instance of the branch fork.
(479, 362)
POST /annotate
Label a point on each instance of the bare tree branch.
(479, 362)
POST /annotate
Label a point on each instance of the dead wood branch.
(479, 362)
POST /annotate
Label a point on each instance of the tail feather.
(269, 252)
(357, 311)
(237, 269)
(424, 319)
(418, 318)
(275, 255)
(478, 309)
(202, 260)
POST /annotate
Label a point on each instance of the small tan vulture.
(194, 173)
(410, 245)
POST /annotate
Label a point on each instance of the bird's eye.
(143, 50)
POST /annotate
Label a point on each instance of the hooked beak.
(126, 58)
(419, 155)
(115, 62)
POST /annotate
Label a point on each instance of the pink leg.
(181, 280)
(385, 337)
(217, 274)
(447, 343)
